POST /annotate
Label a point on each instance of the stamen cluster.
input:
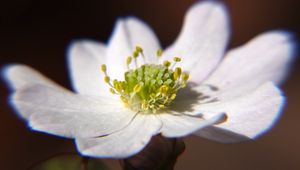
(149, 87)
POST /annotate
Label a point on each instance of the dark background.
(37, 33)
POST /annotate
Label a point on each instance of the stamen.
(128, 61)
(173, 96)
(140, 50)
(135, 56)
(103, 68)
(159, 52)
(164, 89)
(177, 73)
(177, 59)
(112, 90)
(137, 88)
(149, 87)
(107, 79)
(167, 63)
(185, 77)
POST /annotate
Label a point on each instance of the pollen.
(148, 88)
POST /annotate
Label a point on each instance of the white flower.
(228, 98)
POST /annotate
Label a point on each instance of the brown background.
(37, 33)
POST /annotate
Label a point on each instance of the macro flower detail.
(130, 90)
(150, 87)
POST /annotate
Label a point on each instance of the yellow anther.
(112, 91)
(185, 76)
(106, 79)
(177, 73)
(137, 88)
(115, 82)
(183, 85)
(159, 52)
(167, 63)
(173, 96)
(138, 49)
(129, 59)
(164, 89)
(103, 68)
(177, 59)
(117, 85)
(135, 54)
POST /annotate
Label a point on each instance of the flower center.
(149, 87)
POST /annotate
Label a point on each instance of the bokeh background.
(37, 33)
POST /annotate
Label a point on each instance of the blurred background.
(37, 33)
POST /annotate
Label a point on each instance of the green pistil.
(150, 87)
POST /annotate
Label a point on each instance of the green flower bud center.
(150, 87)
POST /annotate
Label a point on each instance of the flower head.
(130, 89)
(150, 87)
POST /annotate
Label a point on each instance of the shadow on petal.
(221, 135)
(186, 99)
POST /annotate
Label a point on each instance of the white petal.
(248, 116)
(202, 40)
(85, 58)
(63, 113)
(142, 35)
(178, 125)
(124, 143)
(265, 58)
(20, 76)
(129, 33)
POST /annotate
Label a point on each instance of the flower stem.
(160, 154)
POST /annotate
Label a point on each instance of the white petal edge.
(18, 76)
(60, 112)
(248, 117)
(202, 40)
(85, 58)
(179, 125)
(267, 57)
(127, 34)
(124, 143)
